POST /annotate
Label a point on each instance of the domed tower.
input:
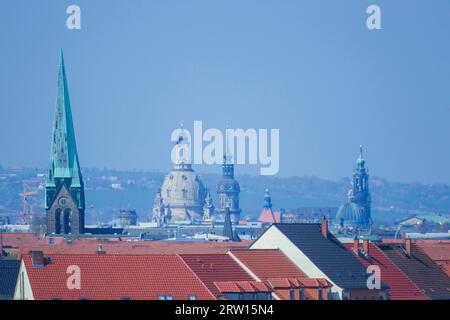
(360, 187)
(357, 211)
(182, 192)
(228, 189)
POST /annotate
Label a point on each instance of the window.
(301, 295)
(165, 298)
(291, 294)
(84, 298)
(320, 297)
(126, 298)
(192, 298)
(56, 298)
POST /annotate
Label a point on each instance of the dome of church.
(351, 214)
(183, 192)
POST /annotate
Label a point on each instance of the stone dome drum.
(183, 193)
(351, 214)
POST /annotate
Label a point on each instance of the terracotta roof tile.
(241, 286)
(436, 250)
(212, 268)
(268, 216)
(268, 263)
(279, 283)
(400, 286)
(111, 277)
(90, 246)
(418, 267)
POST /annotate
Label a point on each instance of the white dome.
(183, 192)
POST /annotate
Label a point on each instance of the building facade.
(64, 188)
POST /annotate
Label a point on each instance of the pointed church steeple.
(228, 228)
(64, 189)
(64, 157)
(360, 160)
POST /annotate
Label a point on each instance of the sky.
(311, 69)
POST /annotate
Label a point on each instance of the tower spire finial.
(227, 155)
(360, 161)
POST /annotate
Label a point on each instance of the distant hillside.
(107, 191)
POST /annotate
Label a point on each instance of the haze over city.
(132, 81)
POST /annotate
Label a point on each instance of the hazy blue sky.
(310, 68)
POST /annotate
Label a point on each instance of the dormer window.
(291, 294)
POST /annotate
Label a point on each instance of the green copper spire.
(64, 158)
(360, 161)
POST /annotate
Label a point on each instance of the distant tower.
(267, 200)
(208, 208)
(267, 215)
(64, 189)
(128, 218)
(158, 209)
(360, 187)
(228, 230)
(228, 188)
(356, 212)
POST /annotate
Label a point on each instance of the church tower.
(208, 208)
(64, 189)
(359, 193)
(228, 189)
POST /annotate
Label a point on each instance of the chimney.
(356, 245)
(37, 258)
(408, 246)
(366, 246)
(325, 227)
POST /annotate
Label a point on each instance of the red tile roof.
(446, 267)
(90, 246)
(241, 286)
(211, 268)
(400, 286)
(110, 277)
(268, 263)
(286, 283)
(436, 250)
(268, 216)
(418, 267)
